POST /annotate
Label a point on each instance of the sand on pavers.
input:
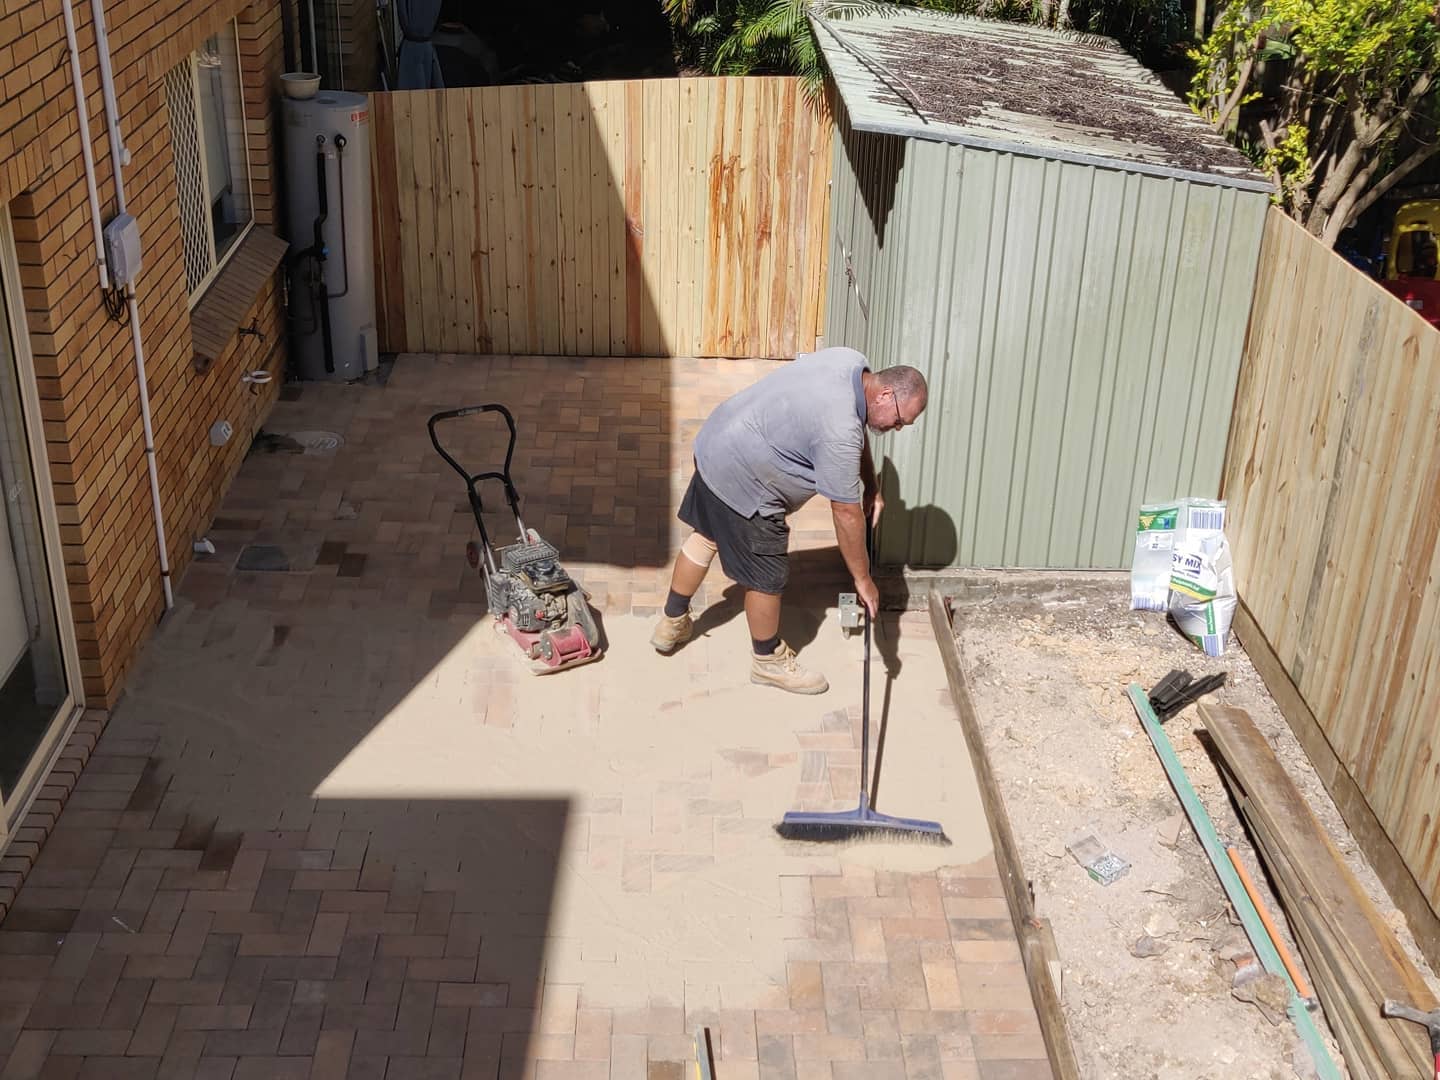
(657, 733)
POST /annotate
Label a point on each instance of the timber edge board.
(908, 589)
(1377, 847)
(1037, 944)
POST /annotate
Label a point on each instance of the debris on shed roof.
(1016, 88)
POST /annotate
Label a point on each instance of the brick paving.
(332, 830)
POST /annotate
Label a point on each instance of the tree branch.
(1407, 108)
(1343, 211)
(1233, 102)
(1422, 154)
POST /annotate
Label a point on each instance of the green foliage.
(1373, 40)
(1218, 59)
(1289, 161)
(1005, 10)
(758, 37)
(744, 37)
(1356, 99)
(1148, 28)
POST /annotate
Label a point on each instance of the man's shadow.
(909, 538)
(817, 576)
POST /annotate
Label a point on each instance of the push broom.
(863, 822)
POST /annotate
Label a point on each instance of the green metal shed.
(1066, 250)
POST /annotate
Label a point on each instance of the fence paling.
(681, 217)
(1332, 477)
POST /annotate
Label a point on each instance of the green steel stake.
(1254, 929)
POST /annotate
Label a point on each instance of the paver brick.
(448, 969)
(119, 1068)
(486, 995)
(424, 1068)
(242, 1043)
(331, 1060)
(392, 1044)
(817, 1047)
(152, 1034)
(81, 1042)
(272, 1068)
(869, 1070)
(1015, 1070)
(185, 991)
(212, 1017)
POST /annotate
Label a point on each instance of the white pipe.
(339, 53)
(87, 152)
(119, 155)
(314, 41)
(119, 158)
(158, 510)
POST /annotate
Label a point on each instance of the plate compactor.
(533, 600)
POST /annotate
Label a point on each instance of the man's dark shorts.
(753, 550)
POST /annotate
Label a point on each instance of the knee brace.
(699, 549)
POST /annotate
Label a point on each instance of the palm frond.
(854, 9)
(779, 21)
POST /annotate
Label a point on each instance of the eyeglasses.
(899, 420)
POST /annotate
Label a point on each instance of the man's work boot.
(783, 670)
(671, 633)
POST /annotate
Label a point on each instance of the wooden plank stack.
(1352, 955)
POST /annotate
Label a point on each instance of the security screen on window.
(212, 172)
(219, 85)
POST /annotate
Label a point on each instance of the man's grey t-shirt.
(795, 433)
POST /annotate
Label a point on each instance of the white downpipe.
(158, 510)
(119, 158)
(87, 152)
(314, 41)
(120, 155)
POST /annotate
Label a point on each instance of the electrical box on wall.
(122, 249)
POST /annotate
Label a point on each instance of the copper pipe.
(1302, 988)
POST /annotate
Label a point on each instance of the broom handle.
(865, 720)
(865, 698)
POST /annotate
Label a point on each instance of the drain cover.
(263, 558)
(318, 442)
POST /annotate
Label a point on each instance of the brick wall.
(84, 360)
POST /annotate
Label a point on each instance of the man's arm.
(850, 532)
(874, 501)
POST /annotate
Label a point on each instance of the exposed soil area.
(1149, 961)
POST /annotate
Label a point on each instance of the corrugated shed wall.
(1080, 327)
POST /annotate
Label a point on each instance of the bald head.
(894, 397)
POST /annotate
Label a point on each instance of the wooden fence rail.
(1333, 479)
(655, 217)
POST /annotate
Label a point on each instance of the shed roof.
(1009, 87)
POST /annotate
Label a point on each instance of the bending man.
(763, 454)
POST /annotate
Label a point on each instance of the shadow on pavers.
(817, 577)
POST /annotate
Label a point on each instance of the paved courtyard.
(334, 830)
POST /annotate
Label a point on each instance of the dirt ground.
(1049, 658)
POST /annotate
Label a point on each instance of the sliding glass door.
(39, 690)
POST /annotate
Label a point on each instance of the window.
(212, 168)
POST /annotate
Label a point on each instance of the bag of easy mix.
(1154, 544)
(1158, 528)
(1202, 589)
